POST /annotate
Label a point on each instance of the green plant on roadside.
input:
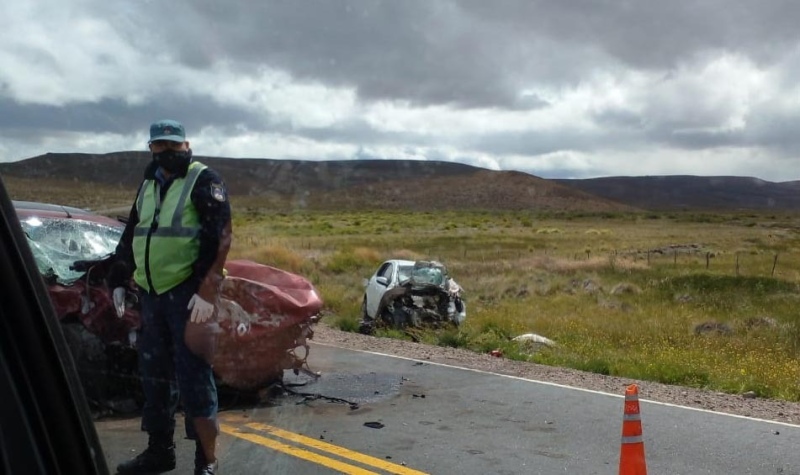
(454, 338)
(344, 322)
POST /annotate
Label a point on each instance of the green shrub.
(344, 322)
(453, 338)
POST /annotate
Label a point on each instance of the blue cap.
(167, 130)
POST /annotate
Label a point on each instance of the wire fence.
(761, 263)
(751, 263)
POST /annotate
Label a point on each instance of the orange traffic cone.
(631, 456)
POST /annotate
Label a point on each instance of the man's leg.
(161, 397)
(196, 382)
(207, 430)
(200, 401)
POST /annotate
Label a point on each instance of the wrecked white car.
(405, 293)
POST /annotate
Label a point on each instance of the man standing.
(175, 245)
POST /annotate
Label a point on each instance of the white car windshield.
(57, 243)
(427, 276)
(404, 273)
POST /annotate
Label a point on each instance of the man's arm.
(210, 198)
(122, 268)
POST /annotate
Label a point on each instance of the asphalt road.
(430, 418)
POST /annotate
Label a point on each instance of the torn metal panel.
(412, 294)
(265, 314)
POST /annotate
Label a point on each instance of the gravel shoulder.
(768, 409)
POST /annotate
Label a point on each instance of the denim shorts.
(169, 370)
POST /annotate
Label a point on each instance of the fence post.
(774, 263)
(737, 264)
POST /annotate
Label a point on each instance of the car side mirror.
(382, 280)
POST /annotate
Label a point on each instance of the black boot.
(159, 456)
(201, 465)
(208, 469)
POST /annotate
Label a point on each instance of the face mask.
(173, 161)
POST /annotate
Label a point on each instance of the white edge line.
(564, 386)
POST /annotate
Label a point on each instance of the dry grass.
(623, 302)
(564, 265)
(82, 195)
(556, 276)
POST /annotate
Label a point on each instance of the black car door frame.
(45, 424)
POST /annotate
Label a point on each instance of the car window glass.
(427, 275)
(386, 271)
(58, 242)
(404, 273)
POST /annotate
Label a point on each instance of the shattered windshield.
(427, 276)
(404, 273)
(57, 243)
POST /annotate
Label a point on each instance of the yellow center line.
(295, 451)
(312, 443)
(336, 450)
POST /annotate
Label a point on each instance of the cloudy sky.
(559, 89)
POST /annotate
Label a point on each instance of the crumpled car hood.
(264, 311)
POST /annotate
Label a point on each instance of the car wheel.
(364, 315)
(88, 353)
(396, 315)
(367, 325)
(124, 387)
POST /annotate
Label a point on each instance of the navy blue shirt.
(210, 198)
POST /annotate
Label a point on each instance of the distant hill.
(427, 185)
(693, 192)
(482, 189)
(348, 184)
(243, 176)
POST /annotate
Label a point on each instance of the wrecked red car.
(266, 314)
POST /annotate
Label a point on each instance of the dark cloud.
(470, 53)
(652, 34)
(776, 129)
(659, 60)
(530, 142)
(359, 132)
(618, 118)
(420, 51)
(115, 116)
(699, 139)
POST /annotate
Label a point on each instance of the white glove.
(119, 300)
(201, 310)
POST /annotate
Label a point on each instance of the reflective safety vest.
(166, 240)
